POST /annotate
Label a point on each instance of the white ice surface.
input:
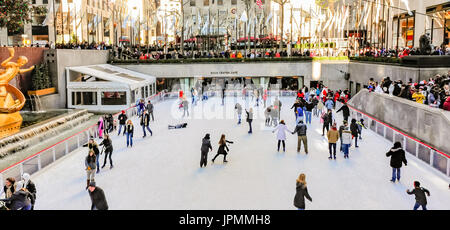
(162, 171)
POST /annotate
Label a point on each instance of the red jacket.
(446, 105)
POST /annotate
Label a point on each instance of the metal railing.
(433, 157)
(50, 154)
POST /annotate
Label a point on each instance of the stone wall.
(430, 125)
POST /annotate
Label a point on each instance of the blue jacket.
(299, 112)
(329, 104)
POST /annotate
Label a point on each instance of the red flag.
(259, 3)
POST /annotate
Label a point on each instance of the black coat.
(300, 129)
(93, 147)
(354, 129)
(108, 145)
(345, 111)
(420, 195)
(130, 129)
(122, 119)
(145, 119)
(302, 192)
(223, 148)
(206, 145)
(98, 199)
(32, 190)
(397, 157)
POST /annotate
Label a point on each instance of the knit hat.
(123, 111)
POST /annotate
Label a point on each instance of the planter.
(41, 92)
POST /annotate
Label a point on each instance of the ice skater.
(301, 192)
(250, 119)
(206, 146)
(145, 122)
(345, 111)
(98, 197)
(397, 155)
(267, 113)
(100, 127)
(150, 109)
(90, 164)
(361, 125)
(92, 145)
(107, 143)
(326, 119)
(179, 126)
(354, 129)
(122, 122)
(238, 109)
(281, 134)
(130, 131)
(185, 106)
(421, 195)
(300, 129)
(299, 113)
(19, 199)
(333, 137)
(346, 141)
(30, 187)
(223, 149)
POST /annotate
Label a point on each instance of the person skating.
(90, 163)
(275, 115)
(301, 192)
(420, 194)
(300, 111)
(130, 131)
(398, 157)
(329, 104)
(346, 141)
(9, 187)
(30, 188)
(301, 129)
(333, 137)
(145, 122)
(238, 109)
(107, 143)
(250, 119)
(206, 146)
(19, 199)
(98, 197)
(345, 111)
(295, 106)
(267, 113)
(122, 122)
(320, 106)
(343, 127)
(354, 129)
(140, 107)
(185, 104)
(179, 126)
(100, 127)
(150, 109)
(281, 134)
(308, 113)
(223, 149)
(361, 125)
(94, 146)
(327, 119)
(277, 106)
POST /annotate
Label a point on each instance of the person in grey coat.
(238, 107)
(150, 109)
(249, 119)
(90, 163)
(206, 146)
(185, 104)
(419, 192)
(300, 129)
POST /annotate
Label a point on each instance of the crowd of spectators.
(435, 92)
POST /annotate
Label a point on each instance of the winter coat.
(94, 147)
(300, 129)
(274, 113)
(301, 193)
(185, 104)
(329, 104)
(281, 135)
(31, 188)
(345, 110)
(299, 112)
(354, 129)
(150, 108)
(397, 157)
(333, 136)
(145, 119)
(238, 107)
(342, 128)
(320, 105)
(98, 199)
(223, 148)
(91, 162)
(122, 119)
(346, 137)
(295, 106)
(130, 129)
(327, 118)
(420, 195)
(447, 104)
(249, 116)
(206, 145)
(108, 144)
(18, 200)
(419, 97)
(11, 190)
(309, 106)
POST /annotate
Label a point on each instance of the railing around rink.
(430, 155)
(50, 154)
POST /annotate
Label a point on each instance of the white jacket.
(346, 137)
(281, 135)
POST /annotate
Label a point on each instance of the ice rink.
(162, 171)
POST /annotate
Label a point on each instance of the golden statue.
(10, 118)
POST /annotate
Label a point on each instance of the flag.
(244, 17)
(259, 3)
(269, 18)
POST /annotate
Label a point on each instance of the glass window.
(205, 2)
(114, 98)
(45, 2)
(192, 2)
(219, 2)
(233, 2)
(84, 98)
(394, 32)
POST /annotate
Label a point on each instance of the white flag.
(244, 17)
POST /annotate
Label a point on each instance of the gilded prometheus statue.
(10, 118)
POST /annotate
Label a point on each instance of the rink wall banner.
(438, 159)
(50, 154)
